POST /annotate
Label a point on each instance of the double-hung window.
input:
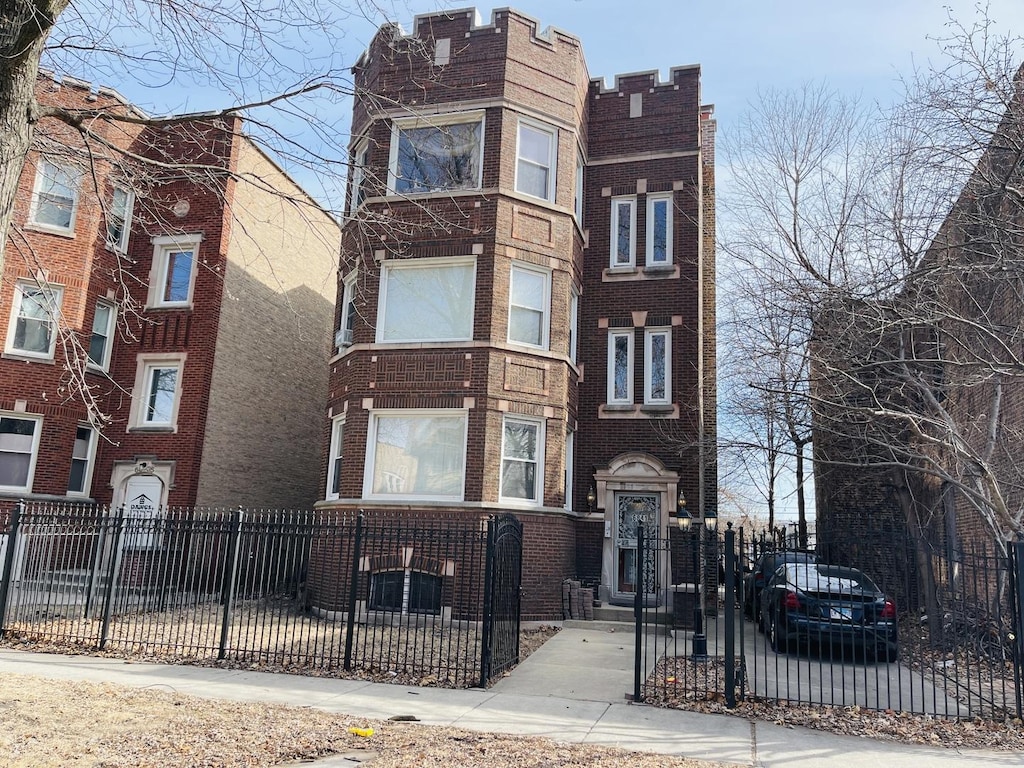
(416, 454)
(335, 461)
(529, 298)
(119, 219)
(157, 391)
(659, 230)
(657, 366)
(574, 319)
(623, 232)
(55, 198)
(81, 461)
(577, 200)
(100, 342)
(19, 446)
(357, 192)
(536, 155)
(32, 331)
(427, 300)
(437, 154)
(173, 277)
(620, 367)
(522, 460)
(343, 338)
(570, 461)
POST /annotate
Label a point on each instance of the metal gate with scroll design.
(500, 646)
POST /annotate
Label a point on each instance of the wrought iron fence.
(941, 637)
(385, 596)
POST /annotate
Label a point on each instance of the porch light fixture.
(683, 516)
(591, 497)
(711, 520)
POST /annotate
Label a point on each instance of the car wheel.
(890, 653)
(775, 639)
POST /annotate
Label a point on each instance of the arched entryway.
(635, 488)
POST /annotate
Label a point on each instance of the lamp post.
(686, 522)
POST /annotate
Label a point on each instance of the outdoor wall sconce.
(711, 520)
(683, 516)
(591, 497)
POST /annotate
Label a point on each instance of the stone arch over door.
(638, 478)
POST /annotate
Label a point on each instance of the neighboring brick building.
(526, 316)
(191, 292)
(919, 395)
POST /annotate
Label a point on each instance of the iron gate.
(500, 646)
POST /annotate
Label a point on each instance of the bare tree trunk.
(24, 27)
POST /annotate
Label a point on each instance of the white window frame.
(544, 309)
(75, 177)
(89, 459)
(629, 335)
(570, 462)
(120, 244)
(163, 247)
(425, 263)
(343, 337)
(649, 335)
(577, 200)
(376, 416)
(360, 156)
(54, 295)
(617, 202)
(37, 431)
(104, 363)
(574, 321)
(146, 366)
(537, 461)
(440, 122)
(652, 201)
(552, 167)
(335, 457)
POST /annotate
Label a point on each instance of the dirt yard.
(56, 724)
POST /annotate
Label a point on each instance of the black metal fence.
(955, 626)
(389, 597)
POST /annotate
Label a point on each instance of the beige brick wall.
(269, 386)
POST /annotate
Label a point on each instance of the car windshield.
(828, 578)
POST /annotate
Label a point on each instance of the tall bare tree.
(900, 234)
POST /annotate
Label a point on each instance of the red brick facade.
(641, 139)
(173, 211)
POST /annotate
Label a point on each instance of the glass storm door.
(632, 509)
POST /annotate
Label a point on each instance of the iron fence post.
(113, 574)
(638, 611)
(488, 617)
(12, 543)
(228, 587)
(730, 617)
(353, 592)
(1017, 549)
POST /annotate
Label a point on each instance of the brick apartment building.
(525, 315)
(165, 329)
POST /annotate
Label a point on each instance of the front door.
(633, 509)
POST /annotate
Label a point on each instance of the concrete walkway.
(572, 690)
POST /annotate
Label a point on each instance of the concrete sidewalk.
(572, 690)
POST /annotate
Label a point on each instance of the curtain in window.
(428, 303)
(438, 158)
(526, 323)
(519, 461)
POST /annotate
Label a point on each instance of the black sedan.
(764, 567)
(828, 605)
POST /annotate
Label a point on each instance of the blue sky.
(858, 47)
